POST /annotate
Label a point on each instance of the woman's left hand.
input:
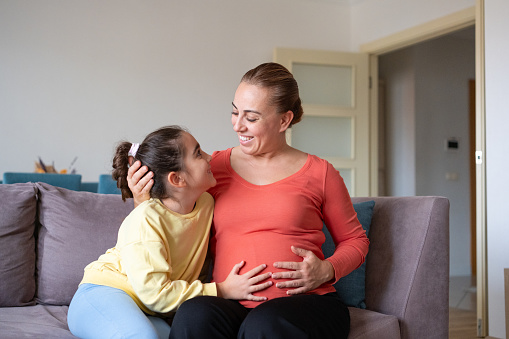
(306, 275)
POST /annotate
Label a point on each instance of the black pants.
(300, 316)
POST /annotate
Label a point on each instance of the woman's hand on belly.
(242, 287)
(306, 275)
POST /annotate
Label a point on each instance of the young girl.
(161, 246)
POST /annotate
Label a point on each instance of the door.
(334, 88)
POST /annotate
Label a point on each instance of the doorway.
(425, 141)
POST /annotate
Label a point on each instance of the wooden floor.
(462, 324)
(462, 308)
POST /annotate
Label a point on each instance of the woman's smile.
(244, 139)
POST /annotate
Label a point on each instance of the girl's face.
(197, 173)
(259, 126)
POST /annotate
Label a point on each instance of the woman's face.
(259, 126)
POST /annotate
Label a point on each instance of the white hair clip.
(133, 150)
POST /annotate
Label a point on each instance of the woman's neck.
(276, 153)
(263, 170)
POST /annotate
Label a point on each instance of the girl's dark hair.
(282, 85)
(162, 152)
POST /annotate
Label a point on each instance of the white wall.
(497, 157)
(375, 19)
(397, 71)
(443, 68)
(79, 76)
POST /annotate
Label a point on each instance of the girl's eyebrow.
(196, 148)
(247, 110)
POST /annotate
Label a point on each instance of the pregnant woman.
(271, 201)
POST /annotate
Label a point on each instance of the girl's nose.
(208, 157)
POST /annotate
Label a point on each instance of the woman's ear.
(176, 179)
(286, 120)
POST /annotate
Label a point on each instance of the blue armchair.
(69, 181)
(107, 185)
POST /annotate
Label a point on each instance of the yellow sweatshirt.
(158, 257)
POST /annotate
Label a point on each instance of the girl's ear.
(175, 179)
(286, 119)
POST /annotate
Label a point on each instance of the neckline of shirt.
(249, 184)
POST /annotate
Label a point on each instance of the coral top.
(260, 223)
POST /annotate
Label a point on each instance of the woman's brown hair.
(283, 87)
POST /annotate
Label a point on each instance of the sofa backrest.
(407, 267)
(18, 210)
(48, 235)
(75, 229)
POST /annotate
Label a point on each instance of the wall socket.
(452, 176)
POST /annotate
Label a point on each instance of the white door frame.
(448, 24)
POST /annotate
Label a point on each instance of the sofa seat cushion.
(18, 209)
(75, 229)
(365, 324)
(34, 322)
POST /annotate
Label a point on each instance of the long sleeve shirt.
(260, 223)
(158, 256)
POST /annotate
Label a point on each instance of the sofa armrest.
(407, 268)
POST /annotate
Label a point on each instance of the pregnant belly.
(257, 250)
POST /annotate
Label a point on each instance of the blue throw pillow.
(351, 288)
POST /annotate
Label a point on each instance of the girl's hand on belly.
(242, 287)
(306, 275)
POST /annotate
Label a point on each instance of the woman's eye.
(236, 114)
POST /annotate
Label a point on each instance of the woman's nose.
(237, 125)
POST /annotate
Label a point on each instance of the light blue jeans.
(106, 312)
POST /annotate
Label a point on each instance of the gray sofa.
(49, 234)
